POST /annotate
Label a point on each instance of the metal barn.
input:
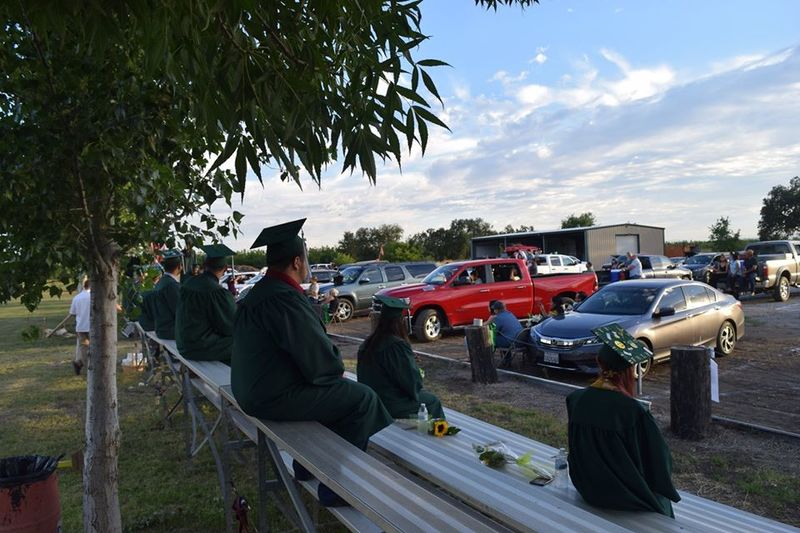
(593, 243)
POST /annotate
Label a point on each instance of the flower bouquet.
(438, 427)
(496, 454)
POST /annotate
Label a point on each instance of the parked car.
(677, 261)
(703, 266)
(558, 264)
(660, 312)
(321, 266)
(241, 278)
(653, 266)
(447, 298)
(357, 283)
(778, 267)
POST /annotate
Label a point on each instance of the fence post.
(480, 354)
(690, 392)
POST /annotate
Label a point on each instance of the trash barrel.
(29, 500)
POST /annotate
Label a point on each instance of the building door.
(627, 243)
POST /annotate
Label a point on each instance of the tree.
(780, 212)
(521, 229)
(107, 112)
(402, 251)
(722, 238)
(321, 254)
(453, 242)
(366, 243)
(584, 220)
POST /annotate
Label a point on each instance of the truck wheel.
(565, 303)
(647, 365)
(781, 293)
(345, 309)
(726, 339)
(428, 326)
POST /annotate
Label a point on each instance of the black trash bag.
(15, 471)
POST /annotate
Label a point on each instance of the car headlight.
(592, 341)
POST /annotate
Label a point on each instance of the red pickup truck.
(456, 293)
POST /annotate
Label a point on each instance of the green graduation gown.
(147, 318)
(617, 456)
(204, 319)
(284, 366)
(165, 305)
(392, 372)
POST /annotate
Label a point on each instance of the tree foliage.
(452, 242)
(520, 229)
(579, 221)
(780, 212)
(365, 243)
(722, 238)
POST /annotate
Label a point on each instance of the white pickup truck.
(558, 264)
(778, 267)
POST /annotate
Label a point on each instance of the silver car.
(660, 312)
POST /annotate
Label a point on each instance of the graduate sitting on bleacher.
(204, 319)
(284, 366)
(165, 298)
(386, 363)
(617, 456)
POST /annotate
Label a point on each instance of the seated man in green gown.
(284, 366)
(204, 318)
(617, 456)
(386, 363)
(165, 299)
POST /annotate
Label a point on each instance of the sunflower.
(440, 428)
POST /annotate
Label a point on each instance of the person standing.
(386, 364)
(284, 367)
(634, 267)
(166, 293)
(618, 458)
(204, 316)
(81, 309)
(750, 270)
(734, 274)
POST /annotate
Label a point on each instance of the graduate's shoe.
(328, 498)
(77, 365)
(300, 472)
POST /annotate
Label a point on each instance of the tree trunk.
(690, 392)
(101, 512)
(480, 354)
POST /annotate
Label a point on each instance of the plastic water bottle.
(562, 472)
(422, 419)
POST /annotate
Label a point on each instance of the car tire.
(726, 339)
(781, 292)
(647, 365)
(707, 278)
(428, 325)
(566, 303)
(345, 310)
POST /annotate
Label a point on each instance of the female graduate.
(386, 363)
(617, 456)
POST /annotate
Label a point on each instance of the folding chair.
(519, 346)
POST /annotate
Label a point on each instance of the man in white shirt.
(634, 267)
(81, 309)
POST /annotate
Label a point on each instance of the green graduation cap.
(282, 241)
(172, 253)
(393, 306)
(216, 254)
(620, 350)
(170, 259)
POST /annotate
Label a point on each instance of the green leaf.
(432, 63)
(424, 114)
(431, 86)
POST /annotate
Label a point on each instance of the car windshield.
(619, 299)
(350, 274)
(441, 275)
(770, 248)
(699, 260)
(323, 277)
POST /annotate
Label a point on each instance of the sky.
(669, 114)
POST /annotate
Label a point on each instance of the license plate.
(551, 357)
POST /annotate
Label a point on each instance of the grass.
(42, 412)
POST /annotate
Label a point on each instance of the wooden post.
(374, 317)
(690, 392)
(480, 354)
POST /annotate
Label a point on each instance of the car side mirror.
(363, 281)
(664, 311)
(670, 267)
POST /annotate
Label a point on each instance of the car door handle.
(381, 286)
(484, 290)
(520, 287)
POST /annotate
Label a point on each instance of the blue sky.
(661, 113)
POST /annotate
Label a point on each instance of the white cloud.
(643, 143)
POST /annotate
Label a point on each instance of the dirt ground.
(758, 384)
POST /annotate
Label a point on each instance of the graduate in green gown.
(386, 363)
(617, 456)
(147, 315)
(204, 318)
(167, 289)
(284, 366)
